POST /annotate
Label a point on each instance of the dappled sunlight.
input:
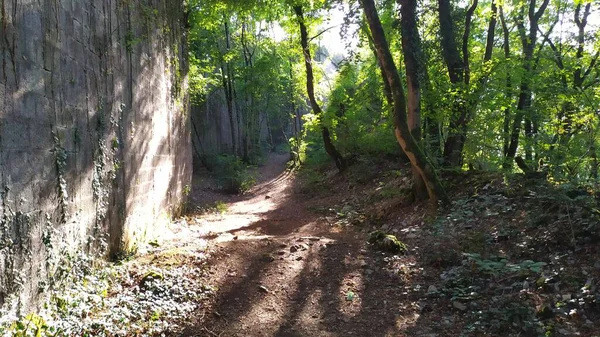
(253, 215)
(268, 309)
(230, 237)
(284, 271)
(228, 222)
(350, 297)
(311, 317)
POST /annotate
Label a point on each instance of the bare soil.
(283, 270)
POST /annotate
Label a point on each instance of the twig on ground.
(211, 332)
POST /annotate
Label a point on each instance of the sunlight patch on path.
(242, 214)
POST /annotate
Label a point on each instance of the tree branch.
(592, 65)
(491, 33)
(322, 32)
(465, 45)
(557, 56)
(541, 10)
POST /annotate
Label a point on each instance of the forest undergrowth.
(512, 256)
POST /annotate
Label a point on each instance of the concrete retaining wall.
(95, 149)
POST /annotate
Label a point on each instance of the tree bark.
(227, 85)
(386, 85)
(459, 77)
(411, 48)
(387, 90)
(489, 46)
(403, 135)
(506, 47)
(340, 163)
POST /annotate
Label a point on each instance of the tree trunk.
(200, 153)
(403, 135)
(411, 48)
(459, 75)
(340, 163)
(489, 46)
(227, 87)
(528, 40)
(594, 157)
(506, 47)
(387, 91)
(432, 127)
(250, 116)
(227, 82)
(529, 134)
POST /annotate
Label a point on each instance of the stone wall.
(95, 149)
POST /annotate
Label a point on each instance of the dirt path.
(282, 270)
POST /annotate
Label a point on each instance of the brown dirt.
(283, 270)
(290, 257)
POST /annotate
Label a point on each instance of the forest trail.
(282, 270)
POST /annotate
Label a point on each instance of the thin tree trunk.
(295, 147)
(340, 163)
(198, 139)
(238, 118)
(506, 47)
(529, 134)
(489, 46)
(528, 40)
(387, 90)
(411, 48)
(247, 132)
(229, 101)
(227, 82)
(568, 110)
(579, 77)
(270, 133)
(403, 135)
(459, 76)
(432, 126)
(594, 157)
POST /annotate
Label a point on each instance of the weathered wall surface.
(95, 149)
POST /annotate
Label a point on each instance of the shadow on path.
(289, 273)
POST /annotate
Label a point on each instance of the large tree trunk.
(340, 163)
(411, 48)
(403, 135)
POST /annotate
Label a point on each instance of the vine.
(5, 240)
(60, 158)
(100, 192)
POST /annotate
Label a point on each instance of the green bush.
(232, 175)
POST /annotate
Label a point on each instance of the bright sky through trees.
(332, 37)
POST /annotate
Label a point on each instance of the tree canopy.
(486, 85)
